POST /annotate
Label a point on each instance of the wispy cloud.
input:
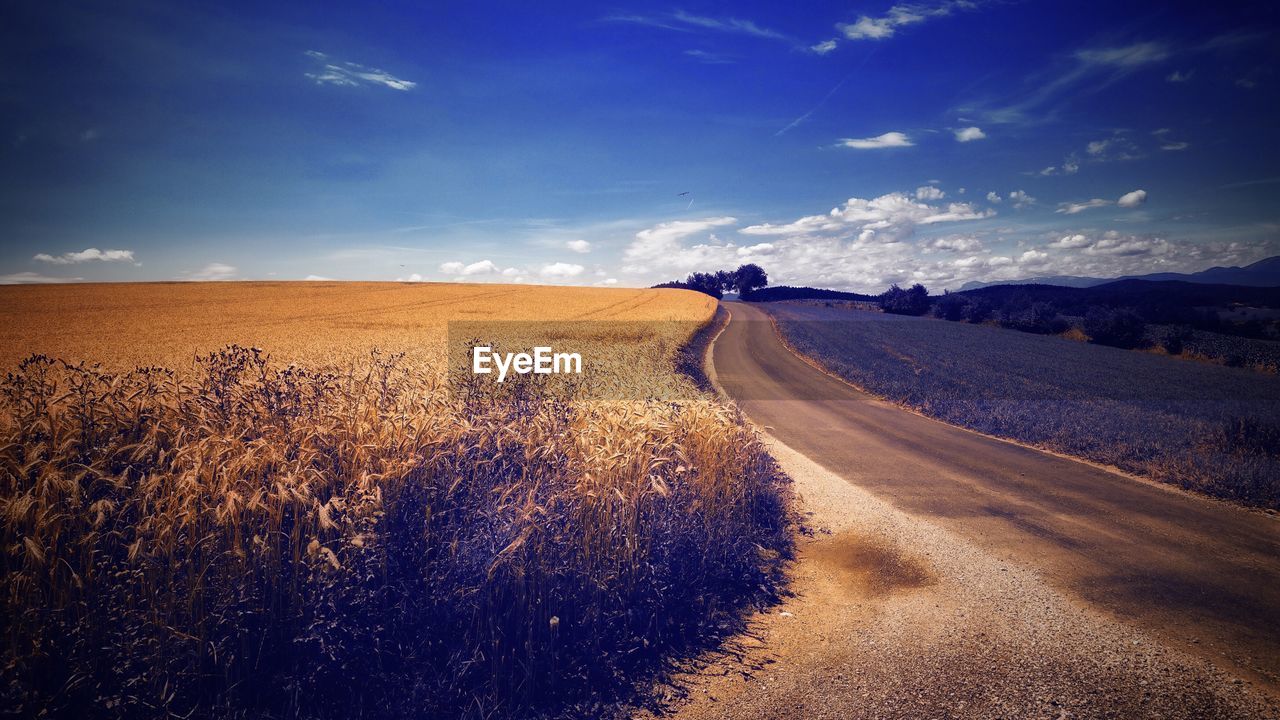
(681, 21)
(823, 47)
(1085, 71)
(1072, 208)
(887, 140)
(31, 278)
(211, 272)
(710, 58)
(900, 16)
(337, 72)
(86, 255)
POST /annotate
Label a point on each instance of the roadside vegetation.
(1204, 427)
(370, 537)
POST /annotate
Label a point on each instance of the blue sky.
(847, 145)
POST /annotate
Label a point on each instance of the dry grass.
(359, 537)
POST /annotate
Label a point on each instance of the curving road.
(1202, 575)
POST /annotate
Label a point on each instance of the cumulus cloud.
(1132, 199)
(887, 140)
(969, 134)
(956, 243)
(929, 192)
(86, 255)
(31, 278)
(349, 74)
(994, 197)
(1021, 199)
(887, 218)
(480, 267)
(578, 246)
(415, 277)
(560, 270)
(211, 272)
(316, 278)
(1032, 258)
(1071, 242)
(662, 246)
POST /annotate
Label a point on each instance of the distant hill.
(1264, 273)
(785, 292)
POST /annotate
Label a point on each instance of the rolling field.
(282, 522)
(1205, 427)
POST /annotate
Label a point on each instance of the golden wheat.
(362, 536)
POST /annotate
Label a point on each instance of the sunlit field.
(245, 510)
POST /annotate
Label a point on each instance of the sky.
(845, 145)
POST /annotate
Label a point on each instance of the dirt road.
(1083, 559)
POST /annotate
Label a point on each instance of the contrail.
(826, 97)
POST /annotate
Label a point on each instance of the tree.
(749, 277)
(912, 301)
(1119, 328)
(707, 283)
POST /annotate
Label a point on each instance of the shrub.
(979, 310)
(1118, 328)
(951, 307)
(912, 301)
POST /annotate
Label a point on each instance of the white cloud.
(661, 245)
(211, 272)
(887, 140)
(86, 255)
(415, 277)
(1175, 145)
(823, 47)
(1070, 208)
(561, 270)
(969, 134)
(956, 243)
(887, 218)
(1033, 258)
(1177, 76)
(1021, 199)
(1097, 147)
(1132, 199)
(349, 74)
(993, 198)
(898, 16)
(929, 192)
(1071, 242)
(481, 267)
(30, 278)
(578, 246)
(317, 278)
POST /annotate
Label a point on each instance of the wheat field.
(167, 324)
(221, 501)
